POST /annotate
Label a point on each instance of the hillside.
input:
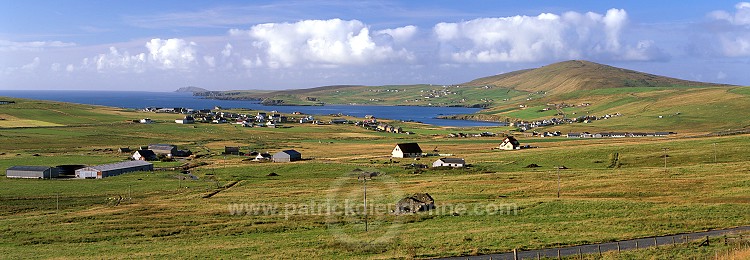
(575, 75)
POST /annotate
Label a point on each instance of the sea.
(140, 100)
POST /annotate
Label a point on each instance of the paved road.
(605, 247)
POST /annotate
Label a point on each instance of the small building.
(124, 150)
(146, 121)
(415, 203)
(186, 120)
(144, 155)
(113, 169)
(163, 148)
(449, 162)
(262, 157)
(407, 150)
(5, 102)
(287, 156)
(232, 150)
(509, 143)
(31, 172)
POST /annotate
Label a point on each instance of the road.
(605, 247)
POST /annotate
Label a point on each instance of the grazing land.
(497, 204)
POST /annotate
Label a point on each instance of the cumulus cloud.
(171, 53)
(31, 66)
(117, 61)
(401, 34)
(547, 36)
(326, 43)
(740, 17)
(210, 61)
(733, 39)
(6, 45)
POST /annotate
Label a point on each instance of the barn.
(114, 169)
(31, 172)
(287, 156)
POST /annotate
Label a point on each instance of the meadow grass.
(495, 205)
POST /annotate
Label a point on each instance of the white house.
(146, 121)
(450, 162)
(407, 150)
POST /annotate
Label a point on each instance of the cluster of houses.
(412, 150)
(83, 172)
(283, 156)
(528, 125)
(482, 134)
(616, 135)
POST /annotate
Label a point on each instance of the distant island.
(191, 90)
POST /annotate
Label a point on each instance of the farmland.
(497, 204)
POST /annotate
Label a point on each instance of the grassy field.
(313, 208)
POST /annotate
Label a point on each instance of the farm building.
(144, 155)
(262, 157)
(186, 120)
(415, 203)
(510, 143)
(114, 169)
(231, 150)
(31, 172)
(163, 148)
(287, 156)
(450, 162)
(407, 150)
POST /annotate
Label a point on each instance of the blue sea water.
(139, 100)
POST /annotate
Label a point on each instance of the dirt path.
(610, 246)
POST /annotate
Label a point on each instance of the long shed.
(31, 172)
(113, 169)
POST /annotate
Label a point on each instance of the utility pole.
(665, 158)
(364, 188)
(558, 182)
(714, 152)
(57, 201)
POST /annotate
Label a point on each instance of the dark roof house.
(406, 150)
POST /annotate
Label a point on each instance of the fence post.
(599, 248)
(558, 254)
(636, 244)
(707, 242)
(655, 243)
(618, 246)
(515, 254)
(538, 256)
(580, 255)
(673, 242)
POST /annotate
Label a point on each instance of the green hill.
(575, 75)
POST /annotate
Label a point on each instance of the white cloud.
(31, 66)
(70, 68)
(172, 53)
(544, 37)
(733, 40)
(55, 67)
(117, 61)
(210, 61)
(740, 17)
(325, 43)
(401, 34)
(6, 45)
(227, 51)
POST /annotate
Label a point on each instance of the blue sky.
(222, 45)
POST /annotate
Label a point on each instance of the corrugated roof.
(291, 153)
(120, 165)
(453, 160)
(29, 168)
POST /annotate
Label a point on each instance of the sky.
(231, 45)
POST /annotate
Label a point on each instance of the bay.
(140, 100)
